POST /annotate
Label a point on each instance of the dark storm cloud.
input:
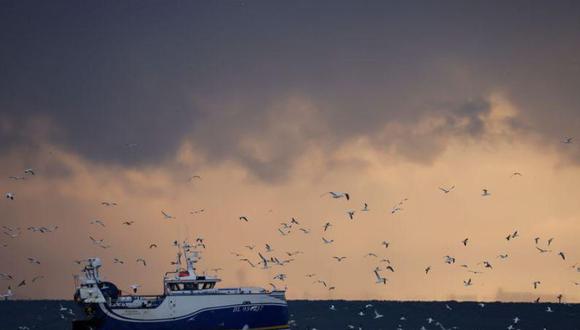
(474, 112)
(156, 73)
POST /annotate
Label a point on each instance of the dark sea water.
(45, 314)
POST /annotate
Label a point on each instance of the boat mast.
(191, 258)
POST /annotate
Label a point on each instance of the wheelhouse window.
(190, 286)
(177, 286)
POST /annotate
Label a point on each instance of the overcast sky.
(273, 103)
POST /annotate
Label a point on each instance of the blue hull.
(226, 318)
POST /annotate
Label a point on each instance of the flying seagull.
(321, 282)
(167, 215)
(485, 193)
(567, 140)
(248, 261)
(447, 190)
(96, 241)
(4, 276)
(380, 279)
(326, 225)
(334, 194)
(512, 235)
(36, 278)
(350, 214)
(33, 260)
(365, 208)
(244, 218)
(264, 261)
(10, 195)
(29, 171)
(465, 241)
(12, 234)
(326, 241)
(98, 222)
(191, 178)
(396, 209)
(543, 250)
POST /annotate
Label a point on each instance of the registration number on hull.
(253, 308)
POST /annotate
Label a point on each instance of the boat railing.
(224, 291)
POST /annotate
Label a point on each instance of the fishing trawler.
(189, 302)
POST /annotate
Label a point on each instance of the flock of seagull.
(265, 258)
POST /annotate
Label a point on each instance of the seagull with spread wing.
(380, 279)
(166, 215)
(327, 241)
(447, 190)
(567, 140)
(335, 194)
(98, 222)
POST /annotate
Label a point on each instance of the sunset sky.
(273, 103)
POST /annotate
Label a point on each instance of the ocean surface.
(46, 315)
